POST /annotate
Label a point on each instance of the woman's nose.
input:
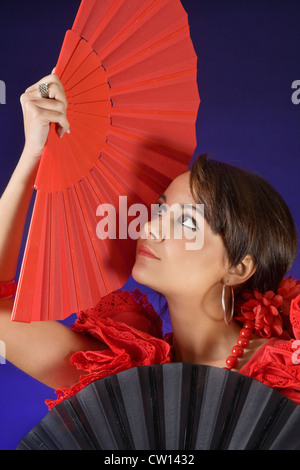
(153, 229)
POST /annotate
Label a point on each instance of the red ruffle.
(276, 364)
(131, 330)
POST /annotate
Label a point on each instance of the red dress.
(128, 324)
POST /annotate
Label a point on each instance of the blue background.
(248, 59)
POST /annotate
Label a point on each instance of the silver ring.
(44, 90)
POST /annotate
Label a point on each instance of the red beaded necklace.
(243, 342)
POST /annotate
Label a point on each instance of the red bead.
(248, 325)
(237, 351)
(245, 333)
(243, 342)
(232, 362)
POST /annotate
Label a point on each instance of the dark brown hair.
(251, 217)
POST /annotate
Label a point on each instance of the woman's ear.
(241, 272)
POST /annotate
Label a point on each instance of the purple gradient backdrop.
(248, 58)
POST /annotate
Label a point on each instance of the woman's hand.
(39, 112)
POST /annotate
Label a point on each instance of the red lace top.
(132, 330)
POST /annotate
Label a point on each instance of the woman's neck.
(200, 335)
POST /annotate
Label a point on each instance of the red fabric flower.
(269, 311)
(263, 310)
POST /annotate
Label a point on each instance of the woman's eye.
(189, 222)
(158, 209)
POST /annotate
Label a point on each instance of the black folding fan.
(170, 407)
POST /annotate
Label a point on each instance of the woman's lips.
(145, 251)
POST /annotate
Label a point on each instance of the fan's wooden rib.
(100, 181)
(158, 82)
(89, 69)
(64, 168)
(40, 302)
(130, 25)
(58, 171)
(91, 127)
(130, 177)
(243, 436)
(80, 247)
(89, 16)
(71, 42)
(172, 388)
(176, 39)
(98, 109)
(156, 62)
(81, 59)
(174, 93)
(86, 280)
(63, 291)
(57, 260)
(96, 124)
(161, 163)
(151, 114)
(83, 64)
(120, 254)
(118, 14)
(89, 203)
(22, 311)
(153, 128)
(156, 144)
(28, 298)
(65, 164)
(116, 261)
(89, 96)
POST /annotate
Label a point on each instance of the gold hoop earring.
(227, 319)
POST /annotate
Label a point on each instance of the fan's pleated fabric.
(130, 74)
(171, 407)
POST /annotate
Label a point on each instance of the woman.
(250, 242)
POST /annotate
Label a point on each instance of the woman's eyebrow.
(198, 207)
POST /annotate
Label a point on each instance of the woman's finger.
(53, 82)
(56, 95)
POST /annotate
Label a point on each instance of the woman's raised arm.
(38, 113)
(41, 349)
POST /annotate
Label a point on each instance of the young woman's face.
(176, 270)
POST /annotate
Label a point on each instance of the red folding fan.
(130, 74)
